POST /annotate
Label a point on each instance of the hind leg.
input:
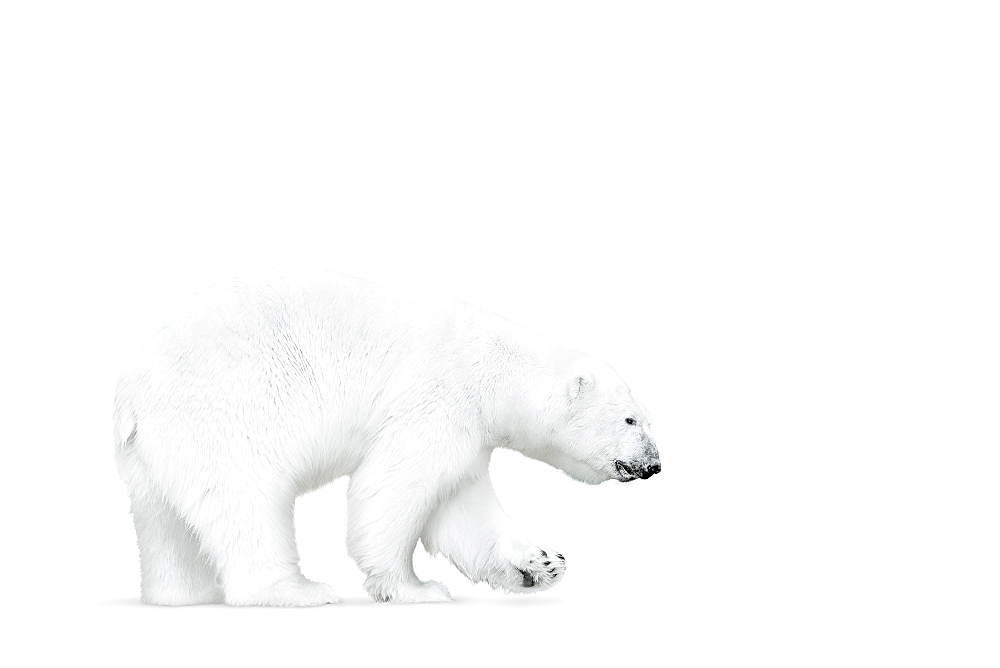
(250, 536)
(174, 571)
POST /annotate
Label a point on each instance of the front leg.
(384, 520)
(473, 531)
(390, 498)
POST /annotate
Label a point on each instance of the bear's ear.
(579, 384)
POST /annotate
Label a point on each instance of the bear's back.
(317, 351)
(266, 350)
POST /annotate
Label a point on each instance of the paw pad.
(536, 570)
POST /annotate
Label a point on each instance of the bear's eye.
(629, 420)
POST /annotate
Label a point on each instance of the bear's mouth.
(625, 472)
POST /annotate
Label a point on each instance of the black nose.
(650, 471)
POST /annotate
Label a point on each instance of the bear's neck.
(521, 380)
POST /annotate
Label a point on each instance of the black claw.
(546, 563)
(526, 579)
(543, 553)
(560, 556)
(552, 570)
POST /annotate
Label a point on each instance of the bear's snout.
(628, 471)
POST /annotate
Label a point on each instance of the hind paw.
(298, 593)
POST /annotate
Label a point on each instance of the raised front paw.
(535, 569)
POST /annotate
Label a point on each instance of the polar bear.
(264, 389)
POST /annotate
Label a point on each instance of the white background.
(777, 220)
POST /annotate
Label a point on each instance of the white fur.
(265, 389)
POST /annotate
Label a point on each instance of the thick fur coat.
(265, 389)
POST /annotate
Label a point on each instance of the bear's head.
(597, 429)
